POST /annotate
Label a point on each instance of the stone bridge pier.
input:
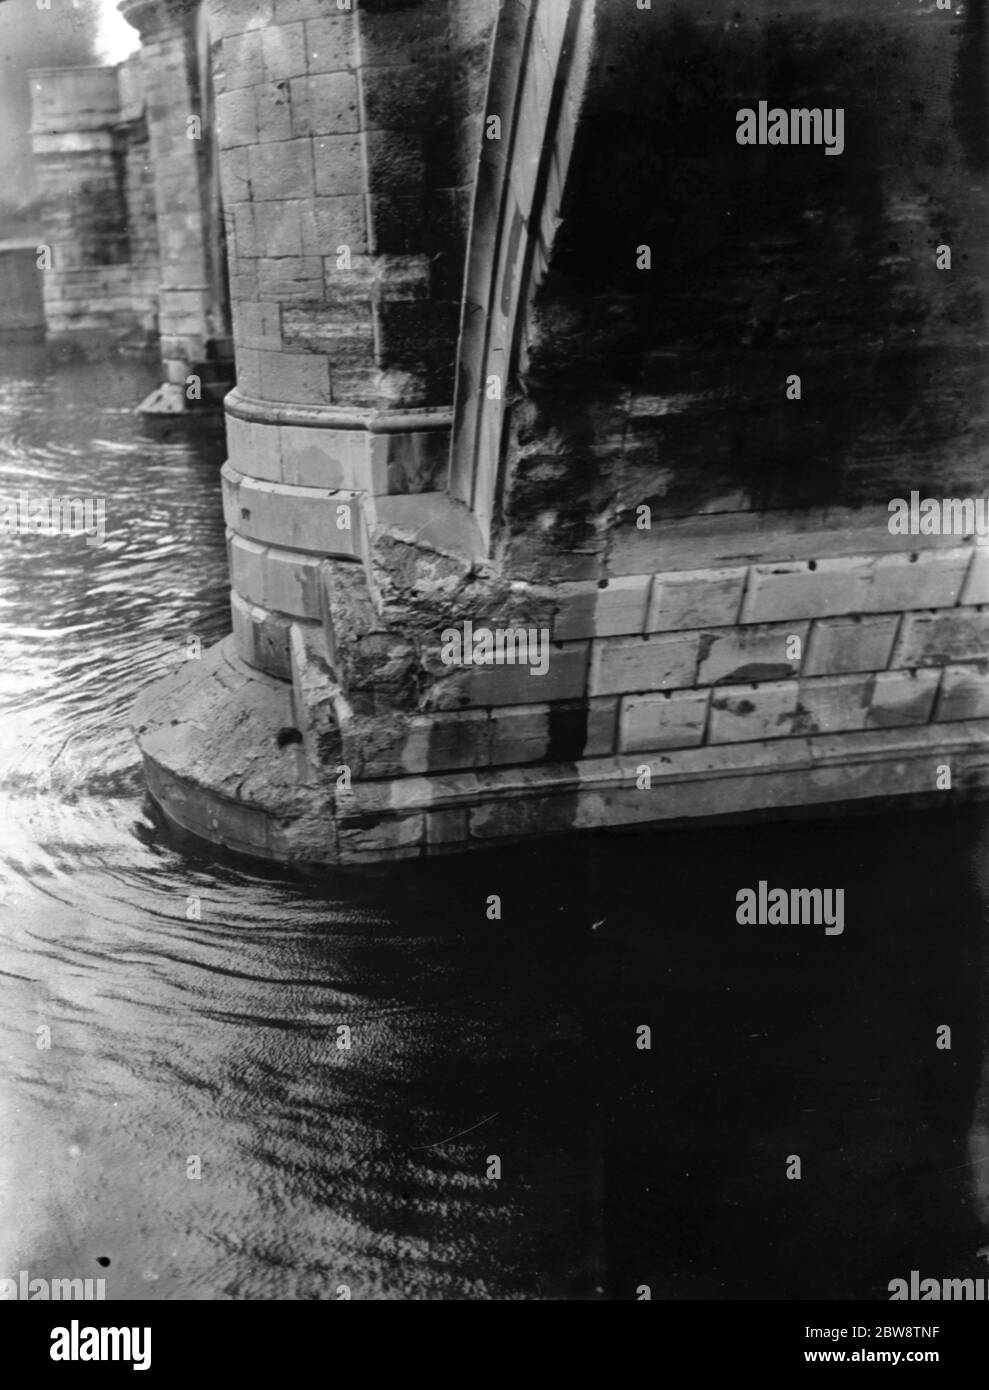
(527, 343)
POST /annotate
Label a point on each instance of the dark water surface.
(216, 1039)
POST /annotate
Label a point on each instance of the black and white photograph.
(494, 666)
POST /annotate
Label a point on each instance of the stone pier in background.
(97, 206)
(131, 209)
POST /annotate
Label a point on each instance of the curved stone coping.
(326, 457)
(216, 771)
(317, 521)
(261, 636)
(333, 417)
(209, 738)
(285, 581)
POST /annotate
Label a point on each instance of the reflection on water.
(196, 1004)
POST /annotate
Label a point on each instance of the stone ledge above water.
(225, 762)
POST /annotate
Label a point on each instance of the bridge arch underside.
(718, 364)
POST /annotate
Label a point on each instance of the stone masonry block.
(447, 827)
(696, 598)
(254, 449)
(339, 221)
(400, 837)
(241, 60)
(841, 645)
(318, 521)
(245, 238)
(626, 665)
(302, 380)
(902, 697)
(273, 111)
(279, 228)
(330, 43)
(740, 714)
(602, 727)
(339, 165)
(325, 458)
(409, 461)
(833, 705)
(807, 589)
(234, 175)
(672, 720)
(290, 277)
(586, 610)
(964, 693)
(236, 119)
(282, 170)
(940, 638)
(563, 731)
(281, 580)
(233, 17)
(520, 734)
(976, 587)
(447, 742)
(248, 371)
(347, 339)
(325, 105)
(923, 579)
(520, 817)
(284, 51)
(758, 652)
(473, 686)
(258, 325)
(290, 583)
(244, 558)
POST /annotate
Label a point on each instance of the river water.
(181, 1047)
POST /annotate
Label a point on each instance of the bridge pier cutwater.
(517, 323)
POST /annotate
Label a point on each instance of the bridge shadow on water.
(667, 1167)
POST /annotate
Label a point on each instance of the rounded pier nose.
(218, 765)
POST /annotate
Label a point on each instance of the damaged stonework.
(399, 708)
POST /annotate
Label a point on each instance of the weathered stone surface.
(623, 665)
(702, 598)
(322, 521)
(976, 589)
(840, 645)
(315, 698)
(964, 692)
(935, 639)
(209, 735)
(606, 609)
(778, 593)
(744, 713)
(902, 697)
(673, 720)
(754, 653)
(921, 579)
